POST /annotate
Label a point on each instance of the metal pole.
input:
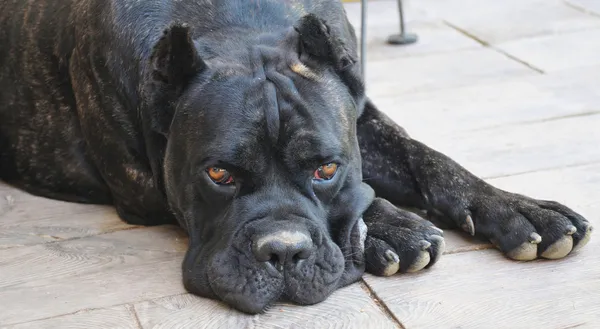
(401, 16)
(403, 38)
(363, 38)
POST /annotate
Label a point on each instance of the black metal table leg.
(363, 37)
(403, 38)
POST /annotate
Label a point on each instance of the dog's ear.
(319, 41)
(173, 64)
(324, 44)
(175, 59)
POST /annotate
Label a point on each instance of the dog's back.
(41, 146)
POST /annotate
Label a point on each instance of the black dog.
(245, 122)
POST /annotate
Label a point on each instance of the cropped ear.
(175, 58)
(173, 63)
(319, 41)
(322, 43)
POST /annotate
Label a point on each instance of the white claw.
(468, 226)
(571, 230)
(535, 238)
(394, 263)
(441, 246)
(392, 256)
(424, 244)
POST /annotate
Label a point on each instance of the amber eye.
(326, 171)
(219, 175)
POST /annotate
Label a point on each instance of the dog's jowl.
(246, 123)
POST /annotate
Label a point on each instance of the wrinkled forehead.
(292, 109)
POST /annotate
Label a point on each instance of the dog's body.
(246, 123)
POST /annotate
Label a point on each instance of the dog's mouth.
(236, 277)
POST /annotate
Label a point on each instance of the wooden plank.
(27, 220)
(499, 21)
(48, 280)
(476, 289)
(576, 187)
(558, 52)
(350, 307)
(120, 317)
(58, 278)
(440, 71)
(458, 241)
(515, 100)
(521, 148)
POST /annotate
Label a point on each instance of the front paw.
(524, 228)
(399, 241)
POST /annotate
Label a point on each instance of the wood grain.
(511, 101)
(500, 21)
(522, 148)
(93, 272)
(440, 71)
(477, 289)
(120, 317)
(27, 220)
(349, 307)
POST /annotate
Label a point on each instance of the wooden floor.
(510, 89)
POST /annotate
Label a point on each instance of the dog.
(246, 123)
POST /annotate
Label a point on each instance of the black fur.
(129, 102)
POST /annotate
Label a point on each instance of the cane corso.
(246, 123)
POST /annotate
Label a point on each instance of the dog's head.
(261, 162)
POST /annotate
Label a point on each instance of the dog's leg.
(408, 173)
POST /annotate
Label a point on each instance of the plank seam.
(573, 165)
(381, 304)
(476, 247)
(536, 121)
(75, 238)
(490, 46)
(135, 316)
(91, 309)
(582, 9)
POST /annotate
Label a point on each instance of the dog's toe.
(560, 248)
(393, 264)
(526, 251)
(585, 239)
(420, 262)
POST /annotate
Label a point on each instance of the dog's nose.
(282, 247)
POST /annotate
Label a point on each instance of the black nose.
(282, 247)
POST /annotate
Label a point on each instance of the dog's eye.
(326, 171)
(219, 175)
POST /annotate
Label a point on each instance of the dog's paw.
(399, 241)
(524, 228)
